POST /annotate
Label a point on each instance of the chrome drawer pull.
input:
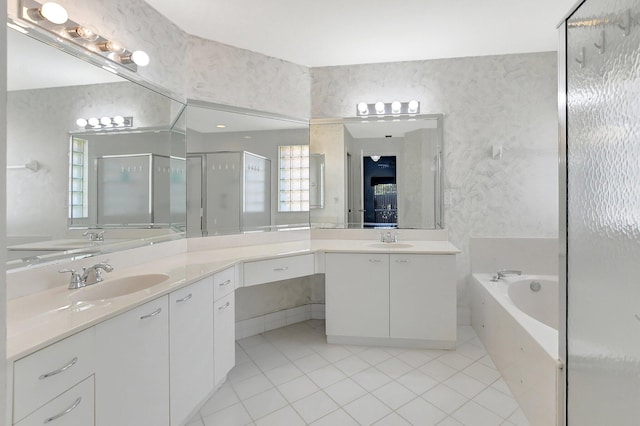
(375, 260)
(65, 412)
(152, 314)
(225, 306)
(227, 282)
(281, 269)
(402, 261)
(60, 370)
(184, 299)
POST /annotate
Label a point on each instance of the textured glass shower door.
(603, 220)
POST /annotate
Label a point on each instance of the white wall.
(3, 232)
(507, 100)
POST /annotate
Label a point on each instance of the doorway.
(380, 191)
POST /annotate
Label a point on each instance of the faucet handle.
(76, 279)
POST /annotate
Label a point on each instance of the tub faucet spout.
(505, 272)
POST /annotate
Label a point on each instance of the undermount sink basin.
(391, 245)
(117, 287)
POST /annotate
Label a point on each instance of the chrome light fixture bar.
(364, 109)
(55, 19)
(95, 123)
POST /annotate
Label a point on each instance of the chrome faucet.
(388, 237)
(94, 236)
(505, 272)
(90, 275)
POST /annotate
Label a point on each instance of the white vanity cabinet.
(391, 299)
(191, 348)
(51, 372)
(132, 371)
(277, 269)
(224, 324)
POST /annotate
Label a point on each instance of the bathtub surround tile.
(323, 384)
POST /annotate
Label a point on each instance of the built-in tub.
(515, 318)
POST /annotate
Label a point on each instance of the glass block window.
(78, 185)
(293, 161)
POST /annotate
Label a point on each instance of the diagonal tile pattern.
(291, 376)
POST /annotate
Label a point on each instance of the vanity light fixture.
(221, 126)
(394, 108)
(94, 123)
(54, 18)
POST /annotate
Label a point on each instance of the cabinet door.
(224, 332)
(132, 376)
(423, 297)
(357, 294)
(191, 347)
(73, 408)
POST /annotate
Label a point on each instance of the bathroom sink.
(117, 287)
(391, 245)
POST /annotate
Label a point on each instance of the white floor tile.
(394, 368)
(235, 415)
(519, 419)
(298, 388)
(481, 372)
(472, 414)
(465, 333)
(421, 412)
(394, 395)
(195, 422)
(497, 402)
(252, 386)
(326, 376)
(417, 382)
(248, 342)
(284, 416)
(336, 418)
(471, 351)
(486, 360)
(352, 365)
(438, 370)
(310, 362)
(450, 421)
(367, 410)
(283, 374)
(264, 403)
(315, 406)
(374, 355)
(223, 398)
(467, 386)
(501, 385)
(332, 353)
(270, 361)
(371, 378)
(243, 371)
(345, 391)
(445, 398)
(456, 361)
(392, 420)
(414, 358)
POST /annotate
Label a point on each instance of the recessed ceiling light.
(221, 126)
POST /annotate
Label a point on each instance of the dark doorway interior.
(380, 192)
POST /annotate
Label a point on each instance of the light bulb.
(413, 106)
(94, 122)
(375, 158)
(363, 108)
(85, 33)
(379, 108)
(396, 107)
(81, 122)
(118, 120)
(105, 121)
(140, 58)
(54, 13)
(111, 46)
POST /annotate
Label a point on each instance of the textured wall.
(603, 145)
(505, 100)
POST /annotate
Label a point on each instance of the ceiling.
(344, 32)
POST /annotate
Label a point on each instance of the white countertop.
(37, 320)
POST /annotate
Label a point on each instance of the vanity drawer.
(42, 376)
(75, 407)
(224, 283)
(282, 268)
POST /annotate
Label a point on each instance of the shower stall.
(599, 93)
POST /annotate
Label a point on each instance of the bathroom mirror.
(61, 201)
(380, 172)
(247, 171)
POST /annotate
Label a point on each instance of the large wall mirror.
(248, 171)
(380, 172)
(77, 188)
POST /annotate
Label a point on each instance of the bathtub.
(516, 319)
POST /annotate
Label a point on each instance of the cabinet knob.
(65, 412)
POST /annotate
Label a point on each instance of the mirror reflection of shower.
(380, 191)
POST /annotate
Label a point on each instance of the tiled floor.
(291, 376)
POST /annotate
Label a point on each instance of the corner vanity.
(154, 356)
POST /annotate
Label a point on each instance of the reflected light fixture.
(105, 122)
(54, 18)
(394, 108)
(221, 126)
(375, 158)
